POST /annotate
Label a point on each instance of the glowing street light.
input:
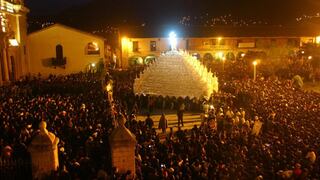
(318, 39)
(124, 42)
(242, 55)
(93, 65)
(254, 70)
(173, 40)
(219, 55)
(309, 57)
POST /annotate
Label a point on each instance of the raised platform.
(176, 74)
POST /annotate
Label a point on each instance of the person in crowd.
(163, 123)
(180, 112)
(149, 121)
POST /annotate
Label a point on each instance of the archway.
(207, 57)
(135, 61)
(230, 56)
(150, 59)
(240, 55)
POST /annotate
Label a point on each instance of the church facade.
(62, 50)
(13, 36)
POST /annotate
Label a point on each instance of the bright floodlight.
(173, 40)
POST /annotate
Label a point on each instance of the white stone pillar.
(123, 144)
(44, 153)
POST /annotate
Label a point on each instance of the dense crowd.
(75, 109)
(229, 144)
(284, 68)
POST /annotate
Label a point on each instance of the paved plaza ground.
(312, 87)
(189, 120)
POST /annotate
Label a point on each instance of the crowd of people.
(263, 129)
(232, 144)
(284, 68)
(76, 110)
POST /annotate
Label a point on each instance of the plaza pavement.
(189, 120)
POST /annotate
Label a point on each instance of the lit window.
(153, 46)
(93, 48)
(3, 22)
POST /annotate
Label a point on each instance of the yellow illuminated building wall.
(13, 35)
(217, 47)
(81, 50)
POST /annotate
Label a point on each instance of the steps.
(171, 75)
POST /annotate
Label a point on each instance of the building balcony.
(59, 61)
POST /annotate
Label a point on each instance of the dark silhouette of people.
(149, 122)
(163, 123)
(180, 114)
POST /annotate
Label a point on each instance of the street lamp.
(219, 40)
(124, 50)
(254, 70)
(223, 60)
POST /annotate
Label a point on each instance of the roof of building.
(223, 31)
(67, 27)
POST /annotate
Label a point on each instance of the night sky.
(271, 10)
(45, 7)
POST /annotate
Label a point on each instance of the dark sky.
(52, 6)
(278, 10)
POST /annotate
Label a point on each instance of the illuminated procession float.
(177, 74)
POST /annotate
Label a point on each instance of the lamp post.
(124, 51)
(223, 61)
(254, 70)
(219, 40)
(119, 42)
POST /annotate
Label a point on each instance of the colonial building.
(61, 50)
(218, 43)
(13, 35)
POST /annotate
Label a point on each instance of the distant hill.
(97, 14)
